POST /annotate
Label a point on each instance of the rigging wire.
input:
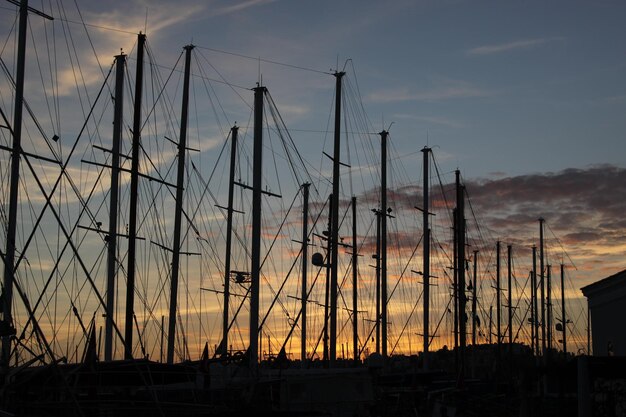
(268, 61)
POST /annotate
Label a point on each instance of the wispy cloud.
(240, 6)
(510, 46)
(158, 17)
(445, 90)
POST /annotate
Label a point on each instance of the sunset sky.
(526, 98)
(502, 87)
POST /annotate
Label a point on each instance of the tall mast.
(383, 238)
(549, 309)
(473, 285)
(229, 238)
(255, 270)
(9, 255)
(542, 284)
(355, 274)
(305, 260)
(378, 297)
(327, 289)
(474, 301)
(532, 311)
(509, 250)
(535, 307)
(334, 233)
(499, 338)
(563, 317)
(426, 254)
(455, 284)
(120, 61)
(134, 184)
(457, 268)
(461, 275)
(182, 150)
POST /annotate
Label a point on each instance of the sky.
(504, 88)
(508, 92)
(509, 87)
(526, 98)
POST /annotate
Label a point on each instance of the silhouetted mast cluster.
(541, 319)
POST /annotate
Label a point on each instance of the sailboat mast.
(549, 309)
(255, 268)
(305, 260)
(355, 273)
(455, 285)
(461, 277)
(383, 237)
(182, 150)
(542, 284)
(327, 283)
(499, 338)
(120, 62)
(9, 254)
(563, 317)
(229, 231)
(509, 250)
(134, 184)
(532, 311)
(378, 297)
(457, 269)
(535, 304)
(334, 233)
(426, 254)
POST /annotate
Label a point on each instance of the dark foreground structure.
(607, 304)
(397, 386)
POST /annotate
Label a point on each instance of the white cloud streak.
(510, 46)
(449, 89)
(240, 6)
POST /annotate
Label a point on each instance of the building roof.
(606, 284)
